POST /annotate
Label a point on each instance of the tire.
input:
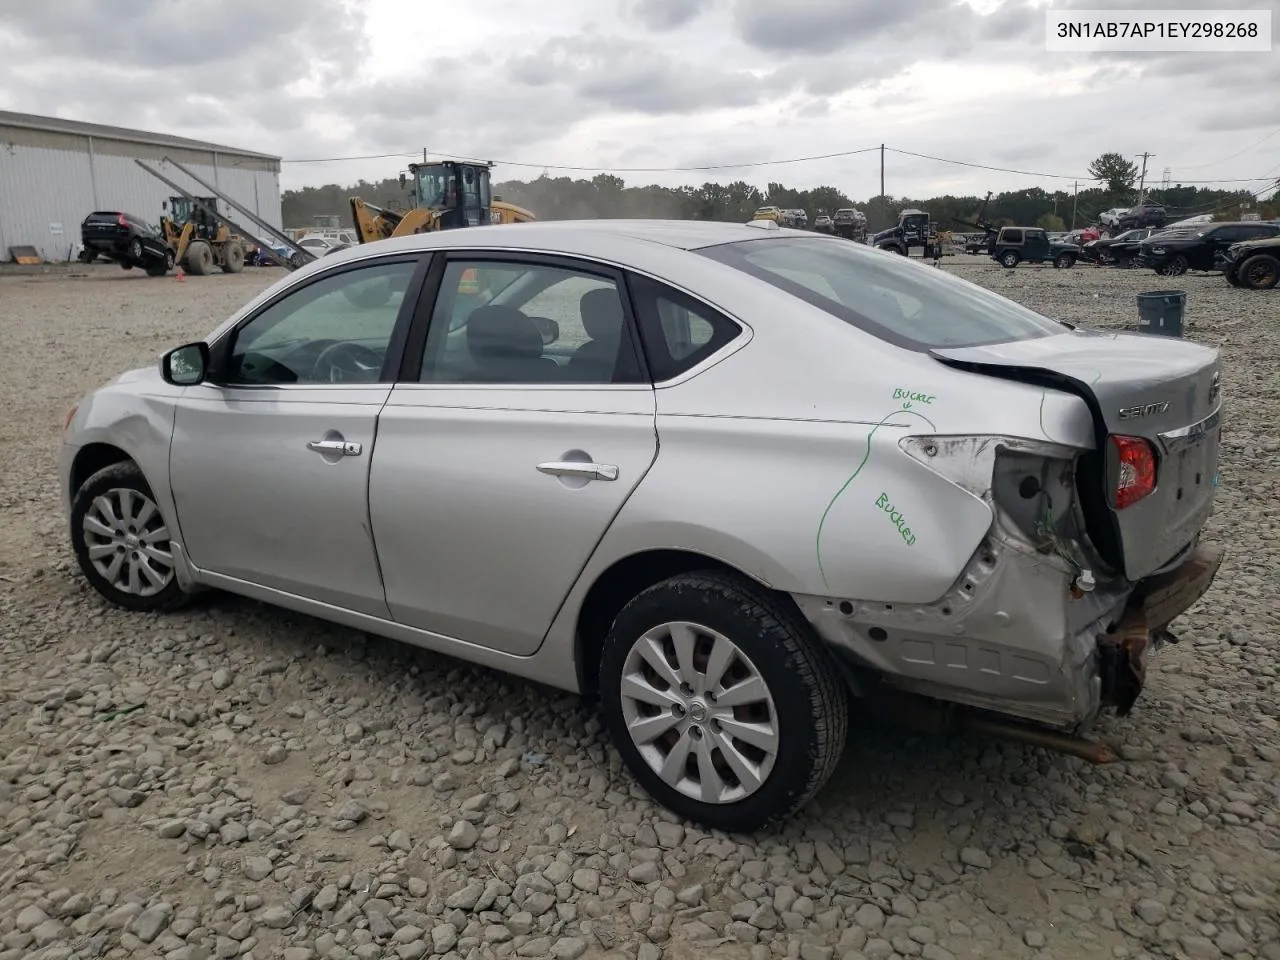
(199, 258)
(1259, 272)
(1064, 261)
(1009, 259)
(232, 257)
(93, 528)
(297, 262)
(1173, 268)
(1233, 277)
(157, 270)
(135, 249)
(803, 697)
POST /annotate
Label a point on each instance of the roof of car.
(681, 234)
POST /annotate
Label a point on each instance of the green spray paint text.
(895, 516)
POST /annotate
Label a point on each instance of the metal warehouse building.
(54, 172)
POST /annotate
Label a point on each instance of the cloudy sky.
(649, 84)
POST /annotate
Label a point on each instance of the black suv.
(126, 239)
(1252, 264)
(1173, 254)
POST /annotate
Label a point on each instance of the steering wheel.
(347, 362)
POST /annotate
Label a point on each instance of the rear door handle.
(348, 448)
(576, 468)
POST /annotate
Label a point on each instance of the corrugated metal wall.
(49, 182)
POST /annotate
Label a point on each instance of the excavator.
(445, 194)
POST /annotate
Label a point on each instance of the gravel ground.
(238, 781)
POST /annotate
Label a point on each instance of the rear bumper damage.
(1153, 605)
(1013, 640)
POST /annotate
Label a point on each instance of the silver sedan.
(728, 478)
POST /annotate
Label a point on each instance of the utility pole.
(1142, 182)
(1075, 202)
(882, 170)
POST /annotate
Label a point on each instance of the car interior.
(508, 338)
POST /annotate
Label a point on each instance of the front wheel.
(1064, 261)
(121, 540)
(722, 701)
(1174, 268)
(1260, 272)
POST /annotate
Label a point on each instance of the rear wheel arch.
(616, 585)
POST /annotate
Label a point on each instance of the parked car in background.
(1119, 250)
(321, 246)
(545, 448)
(1171, 254)
(1015, 245)
(126, 239)
(1252, 264)
(822, 223)
(1083, 236)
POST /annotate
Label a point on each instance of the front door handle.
(576, 468)
(348, 448)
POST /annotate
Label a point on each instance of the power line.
(575, 169)
(1214, 163)
(369, 156)
(762, 163)
(983, 166)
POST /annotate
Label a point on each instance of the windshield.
(437, 185)
(884, 294)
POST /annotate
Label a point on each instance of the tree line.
(605, 196)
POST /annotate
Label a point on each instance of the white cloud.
(642, 83)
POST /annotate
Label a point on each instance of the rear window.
(905, 303)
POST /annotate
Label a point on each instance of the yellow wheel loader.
(201, 242)
(445, 194)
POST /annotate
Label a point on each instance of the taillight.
(122, 221)
(1137, 474)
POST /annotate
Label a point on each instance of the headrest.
(601, 313)
(502, 332)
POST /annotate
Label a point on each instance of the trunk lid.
(1161, 389)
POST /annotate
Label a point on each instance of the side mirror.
(185, 366)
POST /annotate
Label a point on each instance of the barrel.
(1160, 311)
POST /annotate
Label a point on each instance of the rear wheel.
(1259, 272)
(232, 257)
(1175, 267)
(121, 540)
(199, 258)
(1009, 259)
(722, 701)
(135, 249)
